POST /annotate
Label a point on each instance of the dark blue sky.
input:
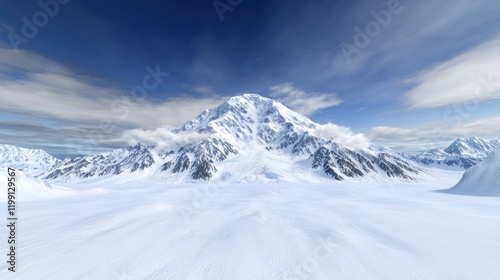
(107, 46)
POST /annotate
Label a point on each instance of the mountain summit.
(473, 147)
(249, 117)
(463, 153)
(249, 138)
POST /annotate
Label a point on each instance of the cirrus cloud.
(435, 135)
(163, 137)
(469, 77)
(51, 91)
(303, 102)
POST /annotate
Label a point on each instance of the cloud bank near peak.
(342, 135)
(163, 137)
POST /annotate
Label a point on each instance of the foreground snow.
(483, 179)
(154, 230)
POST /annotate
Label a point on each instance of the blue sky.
(419, 74)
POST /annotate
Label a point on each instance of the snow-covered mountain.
(248, 138)
(463, 153)
(472, 147)
(483, 179)
(32, 161)
(132, 159)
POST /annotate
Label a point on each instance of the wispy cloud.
(22, 60)
(462, 79)
(424, 33)
(50, 90)
(433, 135)
(203, 89)
(303, 102)
(163, 137)
(92, 111)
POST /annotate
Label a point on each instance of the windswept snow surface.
(156, 230)
(483, 179)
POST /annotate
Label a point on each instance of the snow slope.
(483, 179)
(30, 188)
(156, 230)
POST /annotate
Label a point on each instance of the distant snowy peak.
(33, 161)
(249, 117)
(463, 153)
(473, 147)
(483, 179)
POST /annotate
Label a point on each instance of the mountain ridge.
(463, 153)
(33, 161)
(237, 130)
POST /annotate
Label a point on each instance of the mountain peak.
(247, 113)
(251, 97)
(472, 146)
(32, 160)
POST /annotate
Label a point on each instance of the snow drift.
(483, 179)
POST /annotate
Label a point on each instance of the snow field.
(156, 230)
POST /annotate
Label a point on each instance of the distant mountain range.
(463, 153)
(249, 138)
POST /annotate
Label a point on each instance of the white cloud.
(11, 60)
(434, 135)
(303, 102)
(203, 89)
(162, 137)
(341, 135)
(52, 91)
(471, 77)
